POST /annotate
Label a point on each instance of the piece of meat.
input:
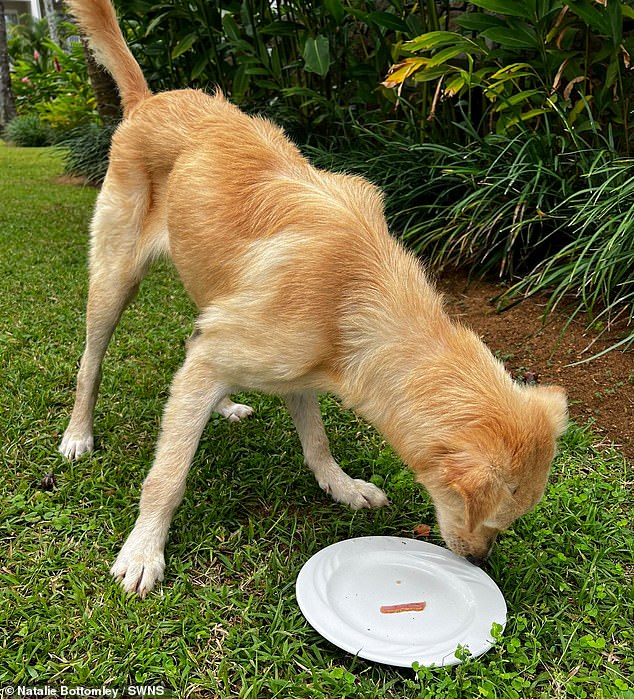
(397, 608)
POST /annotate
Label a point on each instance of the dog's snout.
(476, 560)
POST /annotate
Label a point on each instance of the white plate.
(341, 589)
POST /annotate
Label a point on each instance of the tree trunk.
(51, 18)
(104, 87)
(7, 99)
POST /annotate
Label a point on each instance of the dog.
(301, 290)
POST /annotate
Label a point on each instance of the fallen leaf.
(421, 530)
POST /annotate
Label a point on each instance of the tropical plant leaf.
(316, 55)
(514, 70)
(587, 11)
(435, 40)
(184, 44)
(614, 12)
(282, 28)
(388, 21)
(526, 116)
(517, 99)
(155, 23)
(434, 72)
(230, 27)
(336, 9)
(401, 71)
(514, 8)
(518, 37)
(478, 21)
(450, 52)
(240, 83)
(455, 84)
(200, 66)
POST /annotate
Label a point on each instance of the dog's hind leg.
(194, 394)
(116, 270)
(306, 414)
(234, 412)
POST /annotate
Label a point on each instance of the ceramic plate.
(342, 588)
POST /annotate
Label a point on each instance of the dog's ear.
(554, 401)
(473, 478)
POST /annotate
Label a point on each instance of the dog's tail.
(98, 21)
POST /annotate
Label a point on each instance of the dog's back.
(186, 165)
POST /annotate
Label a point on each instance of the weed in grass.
(225, 622)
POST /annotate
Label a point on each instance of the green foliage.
(28, 36)
(528, 59)
(488, 205)
(526, 206)
(495, 208)
(307, 62)
(28, 131)
(596, 263)
(54, 85)
(85, 151)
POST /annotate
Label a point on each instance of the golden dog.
(301, 289)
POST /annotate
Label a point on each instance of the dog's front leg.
(194, 394)
(304, 409)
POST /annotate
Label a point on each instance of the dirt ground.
(600, 392)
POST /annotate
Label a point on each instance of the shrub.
(28, 131)
(528, 59)
(497, 207)
(56, 88)
(489, 205)
(86, 150)
(309, 63)
(523, 205)
(26, 38)
(595, 266)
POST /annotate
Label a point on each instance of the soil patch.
(600, 392)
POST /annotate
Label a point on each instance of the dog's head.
(494, 470)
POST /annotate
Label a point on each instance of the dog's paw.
(138, 568)
(74, 445)
(357, 493)
(235, 412)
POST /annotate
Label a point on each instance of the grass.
(225, 622)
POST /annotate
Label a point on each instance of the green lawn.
(225, 621)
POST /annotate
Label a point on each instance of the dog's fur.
(301, 289)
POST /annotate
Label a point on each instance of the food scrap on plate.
(409, 607)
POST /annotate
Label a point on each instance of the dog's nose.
(476, 561)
